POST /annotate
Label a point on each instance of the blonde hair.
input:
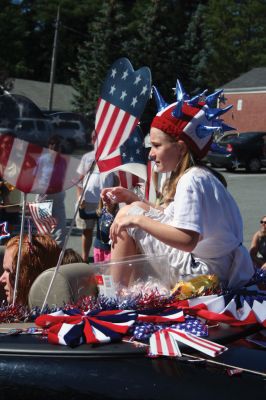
(37, 255)
(188, 161)
(169, 187)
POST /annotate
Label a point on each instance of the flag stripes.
(24, 165)
(165, 343)
(113, 126)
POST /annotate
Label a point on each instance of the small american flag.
(41, 214)
(165, 343)
(123, 97)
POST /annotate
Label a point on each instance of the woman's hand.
(118, 194)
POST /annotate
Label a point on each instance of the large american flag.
(35, 169)
(41, 214)
(122, 100)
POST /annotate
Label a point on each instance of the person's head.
(54, 143)
(181, 133)
(71, 256)
(263, 225)
(36, 256)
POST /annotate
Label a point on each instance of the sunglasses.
(263, 222)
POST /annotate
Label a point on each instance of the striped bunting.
(234, 309)
(72, 327)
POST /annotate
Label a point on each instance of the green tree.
(108, 32)
(196, 52)
(27, 34)
(12, 33)
(237, 31)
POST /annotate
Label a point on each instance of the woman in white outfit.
(199, 224)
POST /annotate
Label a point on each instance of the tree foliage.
(205, 43)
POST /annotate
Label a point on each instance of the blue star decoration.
(4, 230)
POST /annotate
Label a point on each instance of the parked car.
(72, 128)
(246, 149)
(33, 130)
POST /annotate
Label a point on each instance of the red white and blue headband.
(193, 120)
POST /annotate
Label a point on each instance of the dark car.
(246, 149)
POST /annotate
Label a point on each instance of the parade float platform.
(32, 367)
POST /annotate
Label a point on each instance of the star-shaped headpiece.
(193, 120)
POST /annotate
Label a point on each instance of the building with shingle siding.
(39, 92)
(247, 94)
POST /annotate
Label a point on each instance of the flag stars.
(138, 151)
(137, 80)
(123, 95)
(134, 101)
(113, 73)
(124, 155)
(125, 75)
(144, 90)
(131, 159)
(112, 90)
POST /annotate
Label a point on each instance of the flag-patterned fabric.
(130, 157)
(129, 181)
(41, 214)
(123, 97)
(165, 343)
(72, 327)
(35, 169)
(143, 330)
(161, 315)
(234, 309)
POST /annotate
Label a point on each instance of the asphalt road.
(249, 191)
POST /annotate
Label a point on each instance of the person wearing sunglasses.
(258, 246)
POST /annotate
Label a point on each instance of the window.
(239, 105)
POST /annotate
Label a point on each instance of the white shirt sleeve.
(187, 205)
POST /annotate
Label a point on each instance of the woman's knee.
(141, 204)
(125, 210)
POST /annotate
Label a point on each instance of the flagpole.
(54, 59)
(67, 236)
(20, 247)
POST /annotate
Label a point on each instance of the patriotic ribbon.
(165, 342)
(72, 327)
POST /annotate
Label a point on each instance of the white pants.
(233, 270)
